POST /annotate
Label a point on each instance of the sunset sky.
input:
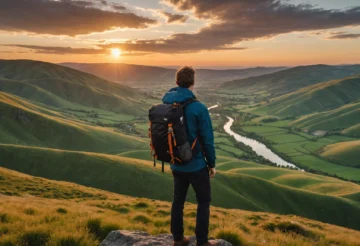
(202, 33)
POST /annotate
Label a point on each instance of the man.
(200, 168)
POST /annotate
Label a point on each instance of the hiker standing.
(200, 168)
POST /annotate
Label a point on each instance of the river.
(259, 148)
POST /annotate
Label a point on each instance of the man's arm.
(207, 137)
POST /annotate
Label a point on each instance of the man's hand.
(212, 172)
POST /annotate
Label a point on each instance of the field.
(37, 211)
(300, 148)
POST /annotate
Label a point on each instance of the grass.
(316, 98)
(345, 152)
(232, 237)
(291, 228)
(32, 238)
(36, 126)
(85, 224)
(232, 190)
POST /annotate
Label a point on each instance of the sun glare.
(116, 53)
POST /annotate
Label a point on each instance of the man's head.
(185, 77)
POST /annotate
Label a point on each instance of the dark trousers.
(200, 182)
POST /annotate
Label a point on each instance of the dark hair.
(185, 77)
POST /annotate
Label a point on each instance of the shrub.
(243, 228)
(4, 218)
(142, 219)
(288, 227)
(122, 210)
(269, 227)
(231, 236)
(61, 211)
(100, 231)
(255, 217)
(161, 223)
(94, 227)
(29, 211)
(4, 230)
(162, 213)
(34, 238)
(141, 205)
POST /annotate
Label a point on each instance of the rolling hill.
(344, 119)
(344, 152)
(144, 76)
(24, 123)
(316, 98)
(133, 177)
(290, 80)
(38, 211)
(60, 86)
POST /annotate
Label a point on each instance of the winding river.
(257, 147)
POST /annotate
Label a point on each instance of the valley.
(61, 125)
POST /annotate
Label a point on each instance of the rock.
(140, 238)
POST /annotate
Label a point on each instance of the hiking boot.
(209, 244)
(184, 242)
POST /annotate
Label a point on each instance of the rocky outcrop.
(140, 238)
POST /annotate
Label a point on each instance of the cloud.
(345, 36)
(233, 21)
(65, 17)
(171, 18)
(68, 50)
(57, 50)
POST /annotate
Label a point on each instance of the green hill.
(345, 152)
(38, 211)
(46, 83)
(138, 178)
(344, 119)
(290, 80)
(316, 98)
(24, 123)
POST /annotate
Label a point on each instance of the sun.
(116, 52)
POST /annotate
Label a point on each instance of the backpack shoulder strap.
(189, 101)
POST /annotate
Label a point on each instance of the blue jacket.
(198, 122)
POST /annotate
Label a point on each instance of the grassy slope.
(122, 175)
(291, 79)
(301, 180)
(64, 212)
(22, 122)
(316, 98)
(33, 80)
(345, 118)
(345, 152)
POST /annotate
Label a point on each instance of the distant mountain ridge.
(139, 75)
(290, 80)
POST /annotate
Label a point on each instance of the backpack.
(167, 133)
